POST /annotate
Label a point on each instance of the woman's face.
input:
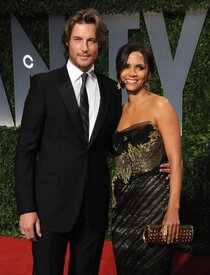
(135, 73)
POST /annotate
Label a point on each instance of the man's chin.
(83, 66)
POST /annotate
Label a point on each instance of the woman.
(147, 135)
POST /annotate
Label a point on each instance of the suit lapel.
(69, 100)
(104, 103)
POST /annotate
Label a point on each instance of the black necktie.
(84, 106)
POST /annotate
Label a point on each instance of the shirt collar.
(75, 73)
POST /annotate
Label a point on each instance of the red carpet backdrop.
(16, 259)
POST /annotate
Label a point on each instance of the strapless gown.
(140, 197)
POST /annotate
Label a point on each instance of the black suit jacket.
(54, 165)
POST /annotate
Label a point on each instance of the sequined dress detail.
(140, 196)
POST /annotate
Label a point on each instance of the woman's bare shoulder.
(160, 101)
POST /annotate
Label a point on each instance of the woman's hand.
(171, 220)
(165, 168)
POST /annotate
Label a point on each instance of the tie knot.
(84, 77)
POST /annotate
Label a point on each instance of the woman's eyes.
(137, 67)
(140, 67)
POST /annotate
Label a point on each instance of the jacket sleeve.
(27, 149)
(117, 116)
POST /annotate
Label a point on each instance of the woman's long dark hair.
(127, 49)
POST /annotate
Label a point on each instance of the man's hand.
(165, 168)
(30, 225)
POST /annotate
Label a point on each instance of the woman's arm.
(168, 124)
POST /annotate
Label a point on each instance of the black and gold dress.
(140, 197)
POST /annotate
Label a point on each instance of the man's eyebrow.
(90, 38)
(76, 36)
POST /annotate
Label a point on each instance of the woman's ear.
(148, 77)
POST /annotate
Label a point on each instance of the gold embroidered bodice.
(138, 149)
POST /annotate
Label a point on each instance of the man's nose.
(84, 46)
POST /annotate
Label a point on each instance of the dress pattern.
(140, 197)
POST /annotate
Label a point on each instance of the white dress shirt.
(92, 91)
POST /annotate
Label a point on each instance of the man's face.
(83, 46)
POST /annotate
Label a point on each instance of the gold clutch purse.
(157, 233)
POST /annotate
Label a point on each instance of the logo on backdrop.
(172, 71)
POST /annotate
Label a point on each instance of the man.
(62, 180)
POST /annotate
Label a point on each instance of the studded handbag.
(157, 234)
